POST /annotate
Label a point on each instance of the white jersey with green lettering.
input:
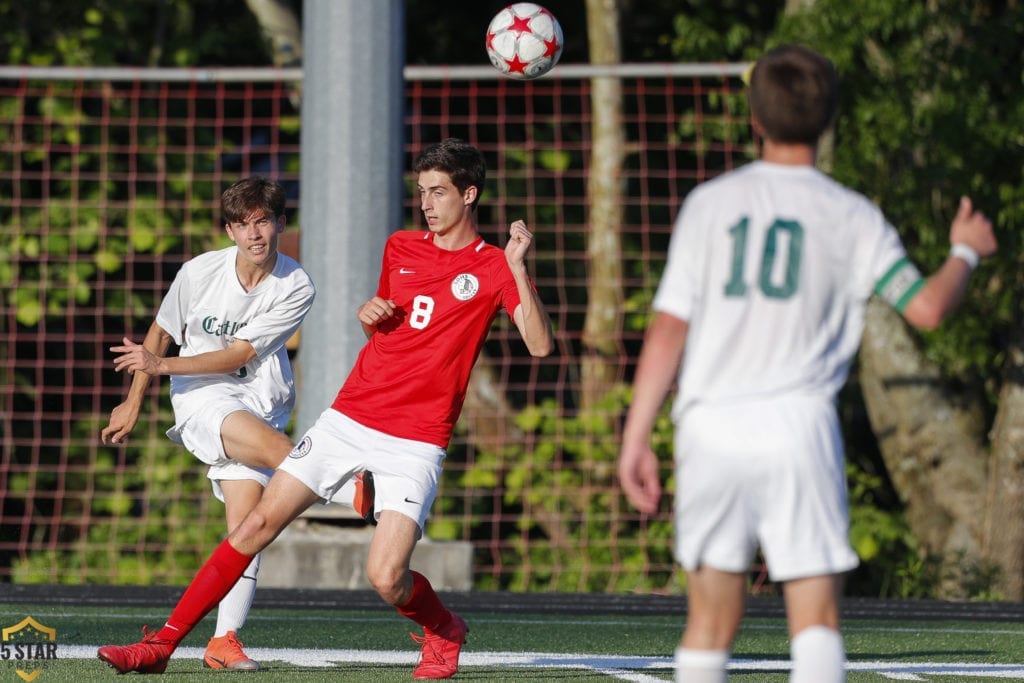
(206, 308)
(772, 266)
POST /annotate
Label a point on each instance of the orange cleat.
(225, 652)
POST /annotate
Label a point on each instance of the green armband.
(899, 285)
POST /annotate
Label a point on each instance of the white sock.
(234, 608)
(818, 656)
(700, 666)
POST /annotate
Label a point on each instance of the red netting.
(107, 186)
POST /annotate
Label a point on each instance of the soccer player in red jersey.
(439, 292)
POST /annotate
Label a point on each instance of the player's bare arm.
(656, 370)
(373, 313)
(125, 416)
(530, 316)
(137, 358)
(945, 289)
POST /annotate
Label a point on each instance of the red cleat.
(439, 657)
(148, 657)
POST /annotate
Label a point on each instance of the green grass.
(570, 647)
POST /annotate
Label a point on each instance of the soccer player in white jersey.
(439, 291)
(769, 270)
(230, 311)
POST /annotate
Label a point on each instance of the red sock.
(210, 584)
(423, 606)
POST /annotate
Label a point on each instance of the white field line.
(159, 617)
(620, 667)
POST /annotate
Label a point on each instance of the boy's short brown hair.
(254, 193)
(794, 94)
(464, 164)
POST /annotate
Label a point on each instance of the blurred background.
(121, 123)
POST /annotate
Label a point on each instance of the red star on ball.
(515, 65)
(520, 26)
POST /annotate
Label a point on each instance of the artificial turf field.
(351, 636)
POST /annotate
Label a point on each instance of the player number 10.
(736, 287)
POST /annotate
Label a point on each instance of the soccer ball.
(524, 41)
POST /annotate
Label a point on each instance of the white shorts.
(766, 474)
(232, 470)
(200, 434)
(332, 451)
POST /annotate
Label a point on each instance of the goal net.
(110, 180)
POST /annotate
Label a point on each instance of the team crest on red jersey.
(465, 286)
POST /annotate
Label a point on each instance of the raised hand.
(519, 241)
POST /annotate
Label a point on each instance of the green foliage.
(571, 531)
(89, 226)
(931, 110)
(571, 534)
(144, 523)
(140, 33)
(707, 133)
(892, 562)
(54, 252)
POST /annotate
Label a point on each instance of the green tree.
(932, 110)
(173, 33)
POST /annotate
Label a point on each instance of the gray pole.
(351, 179)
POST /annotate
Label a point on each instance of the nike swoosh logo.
(223, 662)
(406, 271)
(414, 502)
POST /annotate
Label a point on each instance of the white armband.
(965, 253)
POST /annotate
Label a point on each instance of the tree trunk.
(486, 411)
(283, 35)
(281, 30)
(1005, 546)
(932, 444)
(599, 365)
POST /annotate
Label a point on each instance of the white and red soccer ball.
(524, 41)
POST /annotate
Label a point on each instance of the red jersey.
(410, 379)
